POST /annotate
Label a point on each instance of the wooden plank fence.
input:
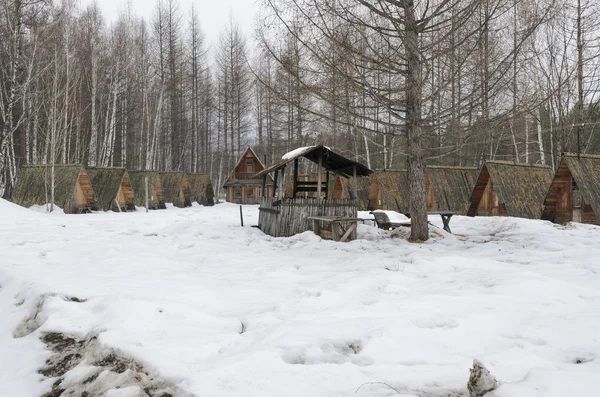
(287, 217)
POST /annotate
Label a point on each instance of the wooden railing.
(246, 175)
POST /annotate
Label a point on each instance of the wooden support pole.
(326, 184)
(319, 175)
(275, 182)
(264, 185)
(295, 181)
(354, 185)
(241, 217)
(146, 191)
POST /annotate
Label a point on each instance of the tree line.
(390, 83)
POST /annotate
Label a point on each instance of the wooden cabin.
(574, 195)
(449, 188)
(112, 189)
(72, 188)
(155, 192)
(243, 185)
(504, 188)
(389, 191)
(344, 189)
(201, 189)
(176, 188)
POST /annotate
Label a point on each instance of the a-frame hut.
(389, 191)
(574, 194)
(243, 185)
(72, 188)
(201, 189)
(176, 189)
(155, 192)
(112, 189)
(449, 188)
(506, 188)
(344, 189)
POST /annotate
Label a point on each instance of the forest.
(393, 84)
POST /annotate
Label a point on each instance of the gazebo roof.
(332, 162)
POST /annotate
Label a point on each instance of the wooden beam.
(319, 175)
(295, 179)
(275, 182)
(264, 184)
(354, 187)
(326, 184)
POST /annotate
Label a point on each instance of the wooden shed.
(327, 181)
(176, 188)
(201, 189)
(155, 192)
(344, 189)
(389, 191)
(243, 185)
(449, 188)
(72, 188)
(506, 188)
(574, 194)
(112, 189)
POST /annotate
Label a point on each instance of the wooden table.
(445, 215)
(336, 228)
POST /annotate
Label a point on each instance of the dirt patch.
(83, 367)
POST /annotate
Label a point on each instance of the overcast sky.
(213, 14)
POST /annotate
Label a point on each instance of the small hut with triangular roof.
(72, 188)
(176, 188)
(201, 189)
(389, 191)
(243, 185)
(155, 193)
(505, 188)
(449, 188)
(112, 189)
(344, 189)
(574, 194)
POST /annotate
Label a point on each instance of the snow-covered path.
(222, 310)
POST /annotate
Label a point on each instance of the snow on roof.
(295, 152)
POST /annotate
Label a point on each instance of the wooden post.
(326, 184)
(319, 175)
(241, 217)
(275, 182)
(295, 181)
(264, 184)
(146, 190)
(118, 206)
(354, 185)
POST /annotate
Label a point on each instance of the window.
(249, 192)
(249, 165)
(237, 191)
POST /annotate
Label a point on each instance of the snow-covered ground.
(221, 310)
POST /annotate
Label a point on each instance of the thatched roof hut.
(176, 188)
(112, 189)
(574, 194)
(201, 189)
(155, 191)
(449, 188)
(344, 189)
(505, 188)
(72, 188)
(389, 191)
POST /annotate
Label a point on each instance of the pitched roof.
(137, 180)
(393, 187)
(521, 187)
(585, 169)
(33, 185)
(452, 186)
(201, 189)
(242, 157)
(332, 161)
(172, 183)
(106, 182)
(346, 187)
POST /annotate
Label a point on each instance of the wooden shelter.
(449, 188)
(112, 189)
(504, 188)
(155, 192)
(176, 188)
(201, 189)
(72, 188)
(243, 185)
(288, 216)
(389, 191)
(344, 189)
(574, 194)
(328, 185)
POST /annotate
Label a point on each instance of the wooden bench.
(334, 228)
(383, 221)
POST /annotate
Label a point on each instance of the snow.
(222, 310)
(295, 152)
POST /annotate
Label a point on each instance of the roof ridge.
(453, 167)
(50, 165)
(515, 164)
(589, 156)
